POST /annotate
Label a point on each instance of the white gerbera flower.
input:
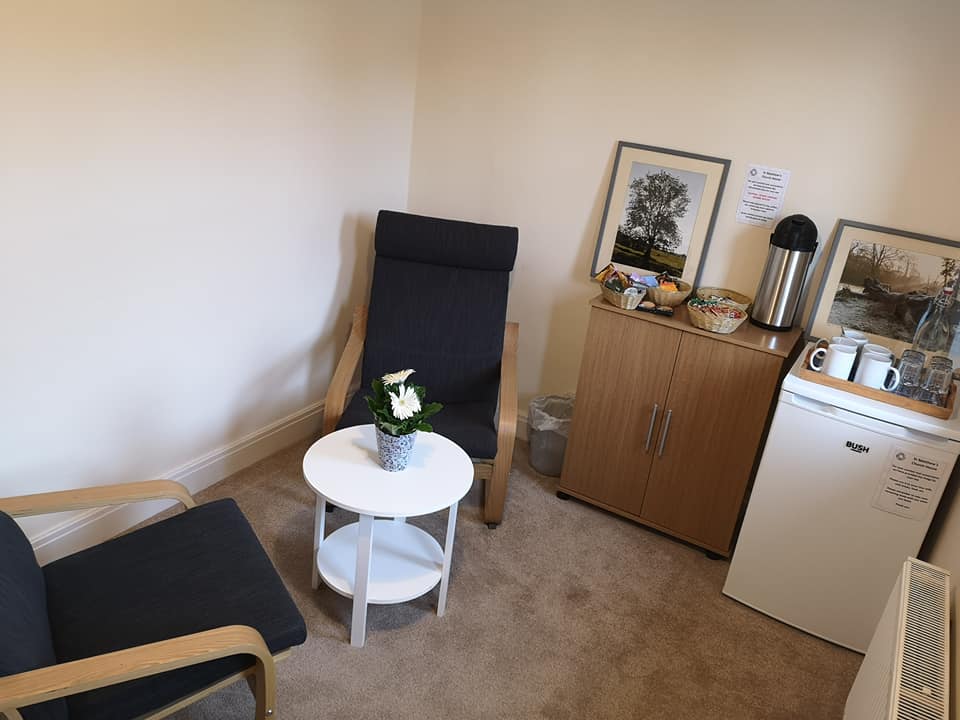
(404, 403)
(395, 378)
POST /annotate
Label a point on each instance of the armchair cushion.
(25, 642)
(202, 569)
(469, 425)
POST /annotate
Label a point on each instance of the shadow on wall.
(295, 380)
(567, 324)
(300, 378)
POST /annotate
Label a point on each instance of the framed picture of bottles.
(889, 284)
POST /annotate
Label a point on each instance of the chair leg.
(263, 683)
(496, 491)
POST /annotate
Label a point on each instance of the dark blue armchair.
(439, 305)
(142, 624)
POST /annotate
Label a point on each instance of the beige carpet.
(564, 611)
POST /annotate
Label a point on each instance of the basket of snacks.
(725, 296)
(628, 299)
(618, 289)
(669, 291)
(715, 316)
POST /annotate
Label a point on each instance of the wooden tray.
(944, 413)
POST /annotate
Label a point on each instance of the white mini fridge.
(844, 493)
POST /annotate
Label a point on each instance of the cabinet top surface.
(747, 335)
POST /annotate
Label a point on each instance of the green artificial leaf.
(379, 392)
(382, 411)
(430, 410)
(390, 428)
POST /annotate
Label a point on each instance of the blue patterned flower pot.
(394, 450)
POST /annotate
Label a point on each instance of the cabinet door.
(718, 403)
(626, 368)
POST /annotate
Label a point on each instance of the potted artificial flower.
(398, 412)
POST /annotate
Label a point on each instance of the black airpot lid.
(795, 232)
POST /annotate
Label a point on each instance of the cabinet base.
(710, 549)
(562, 495)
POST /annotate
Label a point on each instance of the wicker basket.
(627, 302)
(669, 297)
(731, 297)
(714, 323)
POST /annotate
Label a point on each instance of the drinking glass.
(941, 361)
(916, 355)
(936, 385)
(911, 372)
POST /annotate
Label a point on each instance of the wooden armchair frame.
(61, 680)
(495, 471)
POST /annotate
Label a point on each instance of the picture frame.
(880, 281)
(672, 234)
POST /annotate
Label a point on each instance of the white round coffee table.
(384, 561)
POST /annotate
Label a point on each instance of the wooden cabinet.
(669, 419)
(610, 458)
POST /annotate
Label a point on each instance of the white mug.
(842, 340)
(858, 337)
(877, 371)
(837, 360)
(858, 365)
(877, 349)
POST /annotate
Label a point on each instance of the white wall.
(187, 198)
(520, 106)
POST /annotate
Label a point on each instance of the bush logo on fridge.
(857, 448)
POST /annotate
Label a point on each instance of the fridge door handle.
(653, 423)
(885, 427)
(811, 404)
(666, 429)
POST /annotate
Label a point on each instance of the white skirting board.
(89, 527)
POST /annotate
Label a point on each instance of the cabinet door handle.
(666, 429)
(653, 422)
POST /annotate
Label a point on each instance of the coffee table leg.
(358, 628)
(447, 557)
(318, 521)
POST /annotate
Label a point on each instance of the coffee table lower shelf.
(406, 562)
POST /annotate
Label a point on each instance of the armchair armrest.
(99, 496)
(508, 385)
(79, 676)
(336, 398)
(496, 492)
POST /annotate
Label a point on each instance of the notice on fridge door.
(910, 484)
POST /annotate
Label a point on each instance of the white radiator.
(906, 672)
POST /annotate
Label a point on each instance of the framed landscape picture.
(660, 211)
(881, 281)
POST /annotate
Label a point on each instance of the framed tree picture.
(660, 211)
(881, 281)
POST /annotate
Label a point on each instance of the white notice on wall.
(909, 484)
(763, 193)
